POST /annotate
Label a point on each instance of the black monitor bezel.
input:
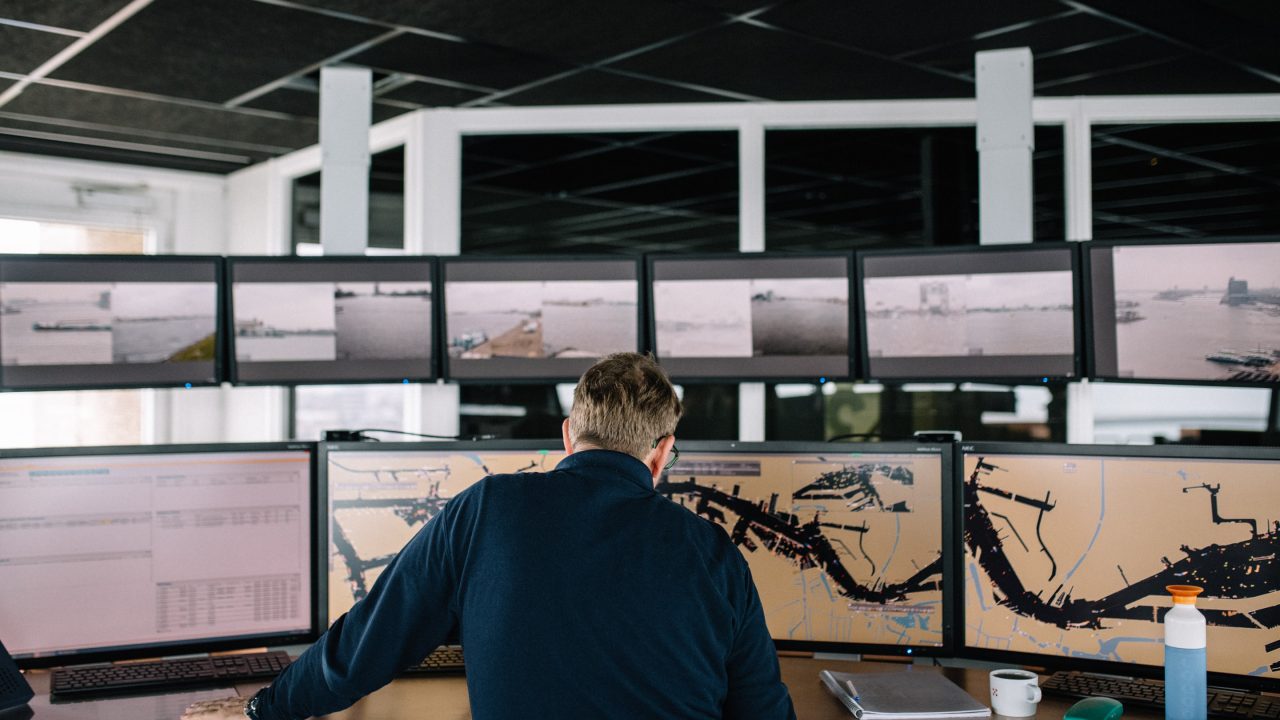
(320, 529)
(1091, 329)
(185, 647)
(1059, 662)
(947, 536)
(220, 368)
(642, 342)
(232, 365)
(1077, 294)
(851, 372)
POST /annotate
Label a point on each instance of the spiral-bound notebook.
(902, 695)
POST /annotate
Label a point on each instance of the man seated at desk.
(578, 593)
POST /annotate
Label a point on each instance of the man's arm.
(408, 612)
(755, 681)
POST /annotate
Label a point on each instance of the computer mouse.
(1095, 708)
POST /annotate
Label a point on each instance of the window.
(80, 417)
(386, 206)
(1141, 414)
(872, 412)
(843, 189)
(600, 193)
(1186, 181)
(317, 408)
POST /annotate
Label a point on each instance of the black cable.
(362, 432)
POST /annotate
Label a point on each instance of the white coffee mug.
(1014, 693)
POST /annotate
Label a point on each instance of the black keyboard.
(1149, 693)
(444, 660)
(90, 681)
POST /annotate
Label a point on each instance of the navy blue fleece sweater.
(578, 593)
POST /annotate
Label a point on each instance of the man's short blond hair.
(624, 403)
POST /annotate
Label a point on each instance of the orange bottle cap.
(1184, 594)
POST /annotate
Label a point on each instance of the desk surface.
(445, 698)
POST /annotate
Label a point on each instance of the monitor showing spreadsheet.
(118, 552)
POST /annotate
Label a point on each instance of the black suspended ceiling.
(221, 84)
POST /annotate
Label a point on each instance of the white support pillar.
(346, 108)
(433, 226)
(1005, 140)
(1078, 182)
(751, 193)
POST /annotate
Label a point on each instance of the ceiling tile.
(126, 138)
(1048, 37)
(431, 95)
(270, 135)
(780, 66)
(462, 62)
(572, 30)
(306, 104)
(592, 87)
(904, 25)
(22, 50)
(211, 51)
(67, 14)
(1178, 75)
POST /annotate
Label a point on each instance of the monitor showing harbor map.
(845, 542)
(381, 494)
(752, 316)
(331, 320)
(1067, 551)
(999, 313)
(1186, 311)
(537, 319)
(78, 321)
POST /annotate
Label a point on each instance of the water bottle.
(1185, 692)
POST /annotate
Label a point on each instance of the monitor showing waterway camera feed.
(108, 321)
(538, 319)
(381, 494)
(1068, 551)
(1186, 311)
(845, 543)
(752, 316)
(1003, 313)
(317, 320)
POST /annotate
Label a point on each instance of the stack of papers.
(902, 695)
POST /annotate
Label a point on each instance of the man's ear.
(564, 434)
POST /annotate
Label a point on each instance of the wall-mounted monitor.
(331, 320)
(847, 544)
(1067, 550)
(1001, 313)
(1185, 311)
(749, 316)
(546, 319)
(379, 495)
(77, 321)
(122, 552)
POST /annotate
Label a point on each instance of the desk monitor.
(845, 542)
(1068, 549)
(331, 320)
(538, 318)
(1186, 311)
(108, 553)
(752, 316)
(994, 313)
(378, 495)
(80, 321)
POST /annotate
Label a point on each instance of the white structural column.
(346, 108)
(751, 399)
(1005, 141)
(1078, 146)
(433, 226)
